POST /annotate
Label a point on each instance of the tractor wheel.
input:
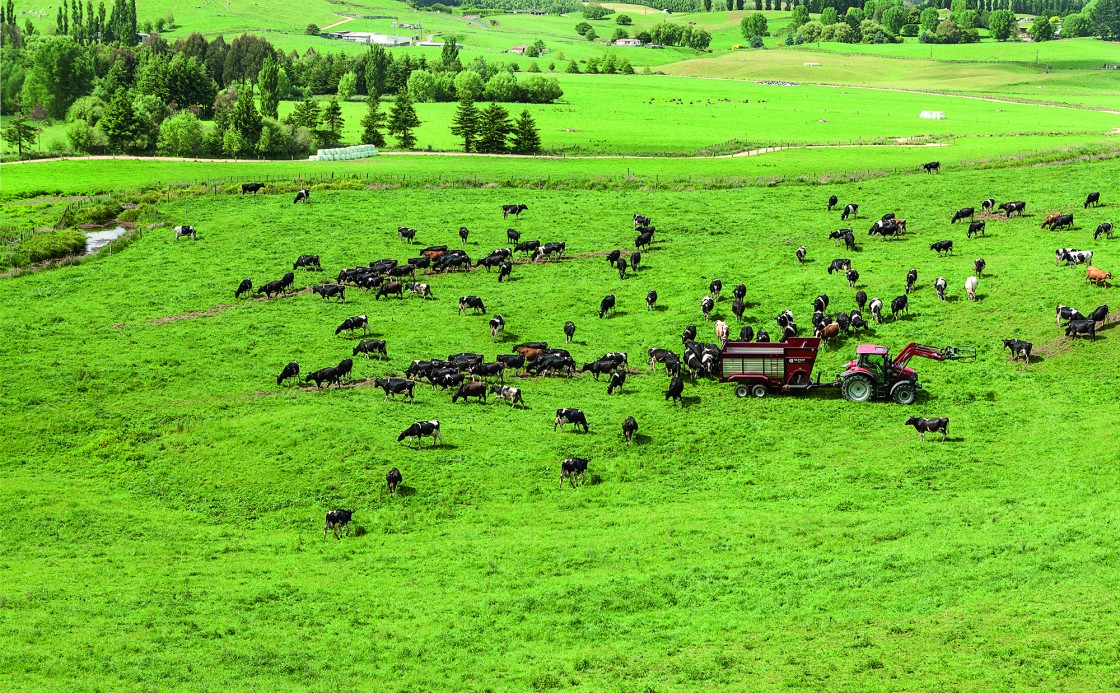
(741, 391)
(858, 388)
(759, 391)
(904, 393)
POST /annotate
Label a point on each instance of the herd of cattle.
(469, 376)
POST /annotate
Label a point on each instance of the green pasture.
(162, 504)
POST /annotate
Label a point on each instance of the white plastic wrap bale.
(933, 115)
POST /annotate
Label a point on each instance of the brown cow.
(431, 254)
(827, 332)
(1049, 220)
(529, 353)
(1097, 276)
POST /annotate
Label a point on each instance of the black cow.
(851, 210)
(618, 378)
(889, 216)
(464, 232)
(513, 236)
(832, 202)
(932, 166)
(570, 416)
(621, 265)
(612, 257)
(472, 302)
(738, 308)
(351, 324)
(606, 305)
(861, 299)
(640, 220)
(306, 261)
(251, 187)
(304, 195)
(1018, 348)
(371, 346)
(1076, 327)
(515, 210)
(327, 375)
(978, 265)
(821, 303)
(714, 288)
(571, 469)
(551, 362)
(1099, 314)
(1011, 207)
(406, 234)
(900, 304)
(489, 370)
(930, 425)
(1062, 222)
(942, 247)
(396, 386)
(290, 371)
(629, 428)
(420, 430)
(344, 367)
(746, 333)
(963, 213)
(515, 361)
(635, 260)
(651, 299)
(599, 367)
(330, 291)
(389, 288)
(287, 280)
(470, 390)
(689, 334)
(800, 254)
(337, 520)
(393, 479)
(1104, 229)
(853, 277)
(1094, 199)
(676, 388)
(644, 240)
(569, 331)
(244, 287)
(976, 228)
(271, 288)
(839, 265)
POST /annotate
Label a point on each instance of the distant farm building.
(628, 42)
(519, 50)
(370, 38)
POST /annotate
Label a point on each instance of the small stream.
(96, 240)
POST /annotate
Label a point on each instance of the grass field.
(164, 499)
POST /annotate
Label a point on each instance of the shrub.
(623, 19)
(85, 139)
(1076, 25)
(756, 41)
(98, 213)
(810, 32)
(87, 108)
(909, 30)
(48, 246)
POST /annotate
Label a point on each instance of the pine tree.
(305, 115)
(526, 137)
(268, 79)
(465, 123)
(332, 116)
(402, 121)
(118, 120)
(246, 120)
(494, 129)
(373, 122)
(20, 132)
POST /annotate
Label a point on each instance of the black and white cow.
(570, 416)
(571, 469)
(629, 428)
(651, 299)
(618, 379)
(850, 210)
(549, 250)
(290, 371)
(800, 254)
(1104, 229)
(354, 323)
(337, 521)
(839, 265)
(714, 288)
(911, 279)
(877, 310)
(606, 305)
(988, 205)
(510, 394)
(963, 213)
(706, 306)
(504, 271)
(371, 346)
(942, 247)
(497, 326)
(1067, 313)
(820, 303)
(304, 195)
(1075, 257)
(939, 286)
(515, 210)
(1011, 207)
(396, 386)
(746, 333)
(307, 261)
(569, 332)
(327, 291)
(976, 228)
(251, 187)
(406, 234)
(853, 277)
(419, 289)
(420, 430)
(471, 302)
(978, 266)
(640, 220)
(181, 231)
(900, 304)
(244, 287)
(923, 426)
(1018, 348)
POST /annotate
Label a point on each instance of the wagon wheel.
(904, 393)
(858, 388)
(759, 390)
(741, 391)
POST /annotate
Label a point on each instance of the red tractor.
(873, 375)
